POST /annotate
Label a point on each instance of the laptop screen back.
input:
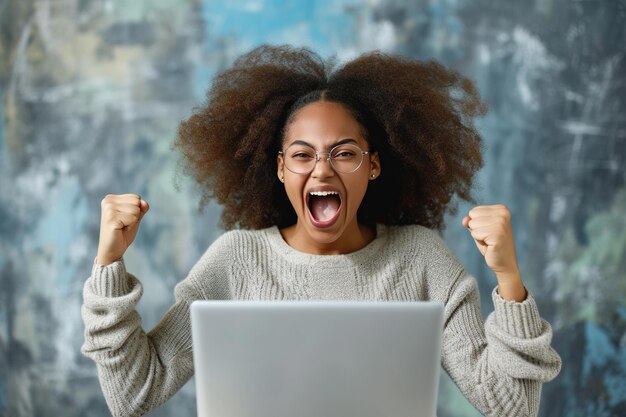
(316, 358)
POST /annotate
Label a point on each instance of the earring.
(282, 179)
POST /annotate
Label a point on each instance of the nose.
(323, 168)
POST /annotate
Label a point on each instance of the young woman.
(333, 183)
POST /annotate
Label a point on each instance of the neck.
(355, 237)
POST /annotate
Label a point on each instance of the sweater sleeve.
(499, 364)
(139, 371)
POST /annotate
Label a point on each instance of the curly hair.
(417, 115)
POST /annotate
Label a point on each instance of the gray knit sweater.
(499, 364)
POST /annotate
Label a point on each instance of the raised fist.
(121, 215)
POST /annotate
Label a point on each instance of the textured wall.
(91, 95)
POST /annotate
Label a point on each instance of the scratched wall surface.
(92, 92)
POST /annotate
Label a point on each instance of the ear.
(280, 172)
(375, 168)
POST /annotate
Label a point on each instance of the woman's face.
(327, 221)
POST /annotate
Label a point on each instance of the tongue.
(323, 208)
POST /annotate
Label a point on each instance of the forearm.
(511, 287)
(137, 371)
(499, 364)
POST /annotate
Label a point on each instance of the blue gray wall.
(92, 92)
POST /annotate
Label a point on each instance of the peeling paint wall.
(91, 96)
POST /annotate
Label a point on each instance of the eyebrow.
(341, 142)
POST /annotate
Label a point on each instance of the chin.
(324, 236)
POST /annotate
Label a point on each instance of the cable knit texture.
(499, 364)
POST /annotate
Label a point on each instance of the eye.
(344, 154)
(301, 155)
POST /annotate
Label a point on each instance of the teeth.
(323, 193)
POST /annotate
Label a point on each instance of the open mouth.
(324, 207)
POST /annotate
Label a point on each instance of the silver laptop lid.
(316, 358)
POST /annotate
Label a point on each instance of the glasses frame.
(329, 158)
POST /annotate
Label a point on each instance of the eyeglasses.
(344, 158)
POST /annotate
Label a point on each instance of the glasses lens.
(299, 159)
(346, 158)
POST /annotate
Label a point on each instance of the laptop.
(316, 358)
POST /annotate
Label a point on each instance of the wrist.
(510, 276)
(104, 260)
(511, 287)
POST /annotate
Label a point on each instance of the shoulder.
(410, 231)
(210, 275)
(236, 244)
(233, 241)
(427, 251)
(419, 240)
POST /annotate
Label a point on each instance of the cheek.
(357, 188)
(294, 188)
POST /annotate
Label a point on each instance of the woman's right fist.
(121, 215)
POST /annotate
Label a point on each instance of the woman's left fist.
(490, 226)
